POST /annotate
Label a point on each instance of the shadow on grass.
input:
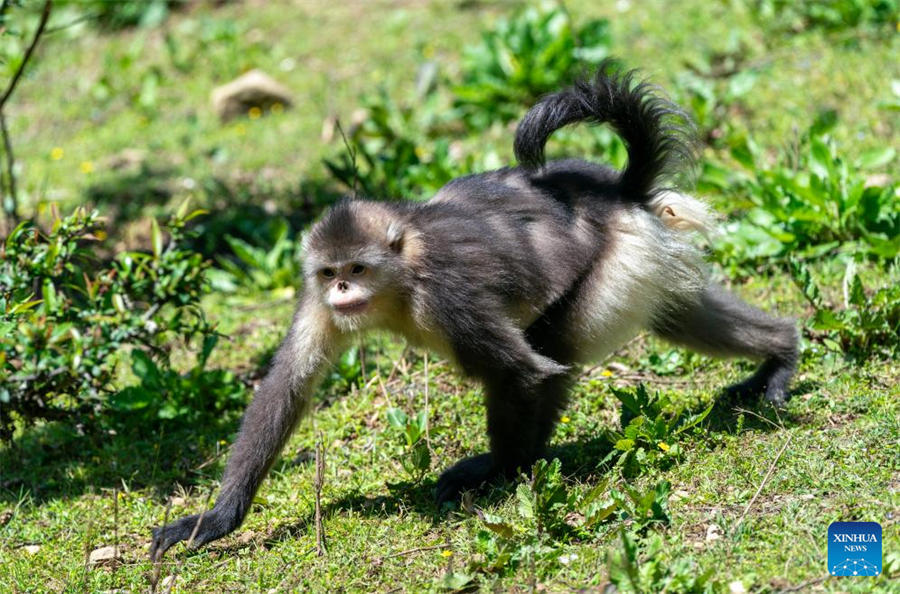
(55, 460)
(251, 211)
(124, 196)
(580, 461)
(246, 209)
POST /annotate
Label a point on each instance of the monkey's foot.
(465, 475)
(771, 379)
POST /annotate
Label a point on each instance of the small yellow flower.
(277, 108)
(254, 113)
(222, 442)
(565, 419)
(663, 446)
(606, 373)
(446, 553)
(56, 153)
(87, 167)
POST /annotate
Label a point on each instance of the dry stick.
(804, 585)
(763, 483)
(384, 391)
(157, 560)
(45, 16)
(396, 364)
(115, 524)
(352, 153)
(760, 417)
(427, 422)
(445, 545)
(87, 552)
(190, 543)
(320, 480)
(10, 163)
(13, 194)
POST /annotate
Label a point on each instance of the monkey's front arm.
(280, 401)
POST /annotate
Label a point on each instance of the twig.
(10, 176)
(760, 417)
(87, 551)
(352, 153)
(190, 543)
(157, 560)
(45, 16)
(763, 483)
(72, 23)
(116, 524)
(396, 365)
(427, 422)
(803, 586)
(319, 482)
(416, 550)
(384, 392)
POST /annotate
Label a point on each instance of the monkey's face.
(346, 288)
(357, 292)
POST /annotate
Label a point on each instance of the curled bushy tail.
(655, 131)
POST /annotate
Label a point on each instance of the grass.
(830, 455)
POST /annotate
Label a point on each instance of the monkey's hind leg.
(720, 324)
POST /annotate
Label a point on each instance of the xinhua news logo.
(854, 549)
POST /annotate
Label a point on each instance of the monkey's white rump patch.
(647, 268)
(682, 212)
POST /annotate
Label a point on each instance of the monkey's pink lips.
(349, 309)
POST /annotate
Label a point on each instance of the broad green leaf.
(874, 158)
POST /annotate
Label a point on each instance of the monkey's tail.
(657, 133)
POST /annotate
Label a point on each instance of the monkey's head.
(357, 263)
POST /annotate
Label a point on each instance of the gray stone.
(252, 89)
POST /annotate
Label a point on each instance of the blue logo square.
(854, 549)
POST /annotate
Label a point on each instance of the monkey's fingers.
(166, 536)
(197, 529)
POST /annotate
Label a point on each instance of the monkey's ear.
(395, 234)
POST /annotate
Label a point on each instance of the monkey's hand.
(213, 524)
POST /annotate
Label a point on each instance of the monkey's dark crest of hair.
(658, 135)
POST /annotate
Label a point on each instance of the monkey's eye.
(327, 272)
(357, 269)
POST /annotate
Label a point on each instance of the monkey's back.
(507, 232)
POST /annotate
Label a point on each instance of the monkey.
(516, 276)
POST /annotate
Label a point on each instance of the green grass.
(68, 493)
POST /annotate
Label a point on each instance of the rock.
(129, 160)
(737, 587)
(877, 180)
(252, 89)
(103, 556)
(31, 549)
(713, 532)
